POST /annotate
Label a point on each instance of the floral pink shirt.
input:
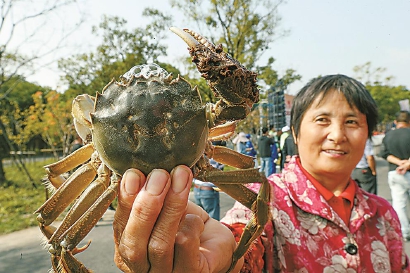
(310, 237)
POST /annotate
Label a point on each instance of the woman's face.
(332, 137)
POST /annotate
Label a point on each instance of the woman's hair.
(355, 93)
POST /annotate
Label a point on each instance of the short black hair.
(403, 116)
(355, 93)
(264, 130)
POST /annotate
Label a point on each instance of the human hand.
(403, 167)
(156, 229)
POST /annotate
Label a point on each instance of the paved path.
(20, 252)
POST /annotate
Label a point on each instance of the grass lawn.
(19, 201)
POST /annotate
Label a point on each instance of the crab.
(149, 120)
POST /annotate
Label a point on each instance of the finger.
(144, 214)
(187, 255)
(204, 241)
(130, 185)
(161, 246)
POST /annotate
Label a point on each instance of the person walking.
(396, 150)
(264, 149)
(365, 172)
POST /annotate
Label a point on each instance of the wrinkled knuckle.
(159, 248)
(143, 213)
(130, 255)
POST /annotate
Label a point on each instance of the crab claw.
(188, 39)
(231, 82)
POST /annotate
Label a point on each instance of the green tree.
(384, 93)
(387, 99)
(15, 95)
(119, 51)
(50, 117)
(23, 51)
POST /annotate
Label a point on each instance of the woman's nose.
(336, 133)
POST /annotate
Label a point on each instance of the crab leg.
(85, 201)
(68, 163)
(229, 157)
(71, 264)
(230, 182)
(76, 233)
(66, 194)
(220, 132)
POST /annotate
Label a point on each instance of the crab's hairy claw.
(230, 81)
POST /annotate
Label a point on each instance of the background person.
(274, 156)
(264, 149)
(289, 149)
(365, 172)
(322, 221)
(396, 150)
(249, 150)
(77, 144)
(282, 139)
(207, 195)
(239, 142)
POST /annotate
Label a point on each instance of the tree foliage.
(23, 50)
(50, 117)
(119, 51)
(245, 28)
(384, 93)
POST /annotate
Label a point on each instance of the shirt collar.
(348, 194)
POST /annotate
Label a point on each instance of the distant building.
(279, 106)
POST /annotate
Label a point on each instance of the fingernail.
(156, 182)
(180, 178)
(131, 182)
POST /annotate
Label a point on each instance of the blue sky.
(326, 37)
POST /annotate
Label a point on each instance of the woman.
(323, 222)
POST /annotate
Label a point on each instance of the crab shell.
(149, 121)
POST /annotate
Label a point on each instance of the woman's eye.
(320, 119)
(351, 122)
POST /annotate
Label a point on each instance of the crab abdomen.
(149, 124)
